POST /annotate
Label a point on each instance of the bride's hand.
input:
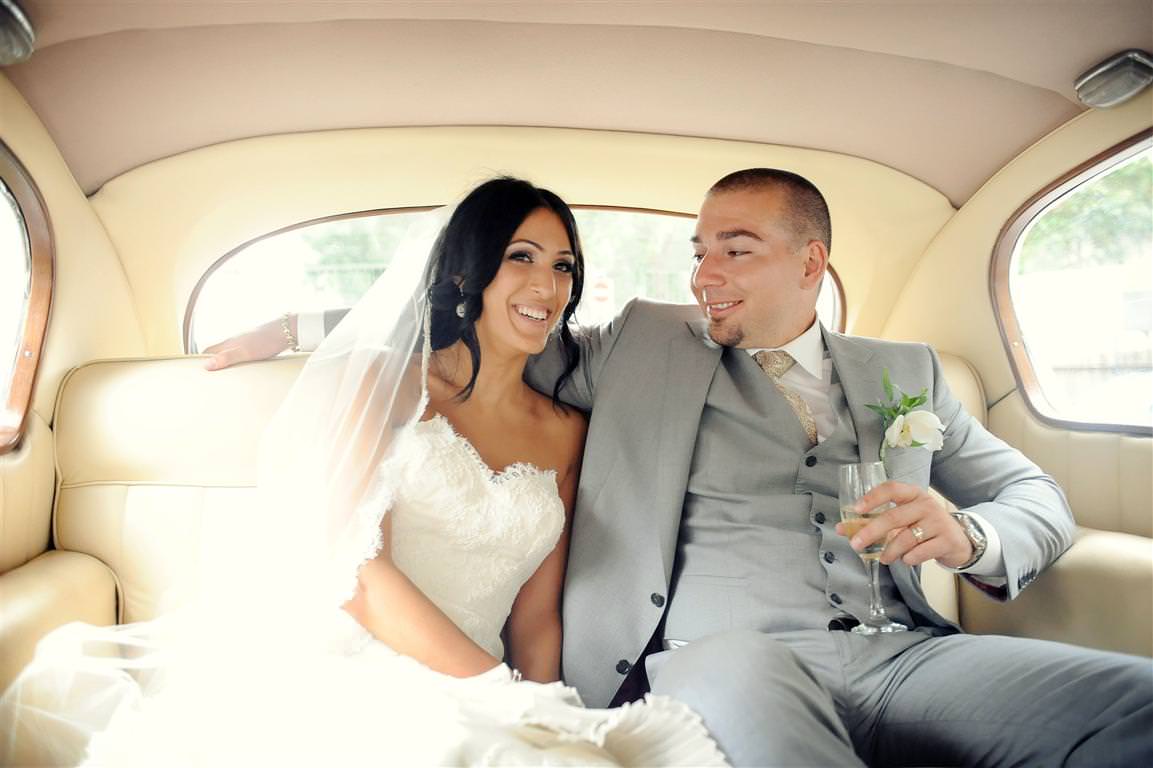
(259, 343)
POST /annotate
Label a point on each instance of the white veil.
(321, 496)
(271, 590)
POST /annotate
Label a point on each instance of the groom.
(705, 555)
(705, 559)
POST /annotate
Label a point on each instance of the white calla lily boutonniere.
(904, 426)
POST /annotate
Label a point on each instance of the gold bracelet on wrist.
(289, 336)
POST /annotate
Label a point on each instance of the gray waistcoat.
(757, 548)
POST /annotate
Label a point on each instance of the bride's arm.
(534, 627)
(398, 614)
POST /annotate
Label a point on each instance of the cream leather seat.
(154, 455)
(151, 456)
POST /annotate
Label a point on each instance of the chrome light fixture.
(17, 39)
(1115, 80)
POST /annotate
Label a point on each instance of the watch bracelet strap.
(967, 524)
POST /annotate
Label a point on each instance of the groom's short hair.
(808, 211)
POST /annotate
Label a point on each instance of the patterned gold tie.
(774, 363)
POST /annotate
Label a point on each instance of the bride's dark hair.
(468, 253)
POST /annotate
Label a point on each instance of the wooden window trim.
(193, 297)
(1010, 328)
(14, 412)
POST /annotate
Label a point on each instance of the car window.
(331, 263)
(15, 284)
(1080, 284)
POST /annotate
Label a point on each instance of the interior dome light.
(17, 39)
(1115, 80)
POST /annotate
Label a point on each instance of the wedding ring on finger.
(918, 533)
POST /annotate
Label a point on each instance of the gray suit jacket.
(648, 373)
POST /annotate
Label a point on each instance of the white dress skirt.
(468, 538)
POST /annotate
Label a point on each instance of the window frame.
(42, 257)
(194, 296)
(1007, 323)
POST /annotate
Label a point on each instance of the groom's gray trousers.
(831, 698)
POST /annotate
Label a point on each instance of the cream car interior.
(163, 135)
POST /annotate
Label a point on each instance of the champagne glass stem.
(877, 613)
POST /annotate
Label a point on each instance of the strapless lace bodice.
(466, 536)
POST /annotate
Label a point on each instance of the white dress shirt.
(812, 378)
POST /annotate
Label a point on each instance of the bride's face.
(527, 297)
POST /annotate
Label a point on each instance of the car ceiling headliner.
(947, 92)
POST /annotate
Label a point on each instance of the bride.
(416, 498)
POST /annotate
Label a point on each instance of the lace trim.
(513, 471)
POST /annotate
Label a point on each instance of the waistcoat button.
(819, 518)
(810, 461)
(830, 557)
(834, 597)
(623, 667)
(658, 600)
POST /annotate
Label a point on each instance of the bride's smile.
(530, 291)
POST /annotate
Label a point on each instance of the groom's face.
(755, 278)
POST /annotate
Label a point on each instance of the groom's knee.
(734, 666)
(761, 703)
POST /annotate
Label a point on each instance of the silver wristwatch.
(975, 535)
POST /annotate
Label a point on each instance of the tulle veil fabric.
(270, 590)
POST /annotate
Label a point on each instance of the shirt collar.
(808, 350)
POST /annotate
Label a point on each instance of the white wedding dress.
(468, 538)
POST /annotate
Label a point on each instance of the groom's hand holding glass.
(918, 528)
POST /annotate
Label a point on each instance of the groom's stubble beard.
(730, 337)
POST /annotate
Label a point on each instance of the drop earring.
(460, 309)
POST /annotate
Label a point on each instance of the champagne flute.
(855, 481)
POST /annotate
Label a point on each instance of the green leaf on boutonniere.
(907, 402)
(898, 405)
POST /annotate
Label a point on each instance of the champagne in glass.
(853, 523)
(855, 481)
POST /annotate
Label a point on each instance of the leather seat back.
(152, 455)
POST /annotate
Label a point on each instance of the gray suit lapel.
(862, 385)
(691, 366)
